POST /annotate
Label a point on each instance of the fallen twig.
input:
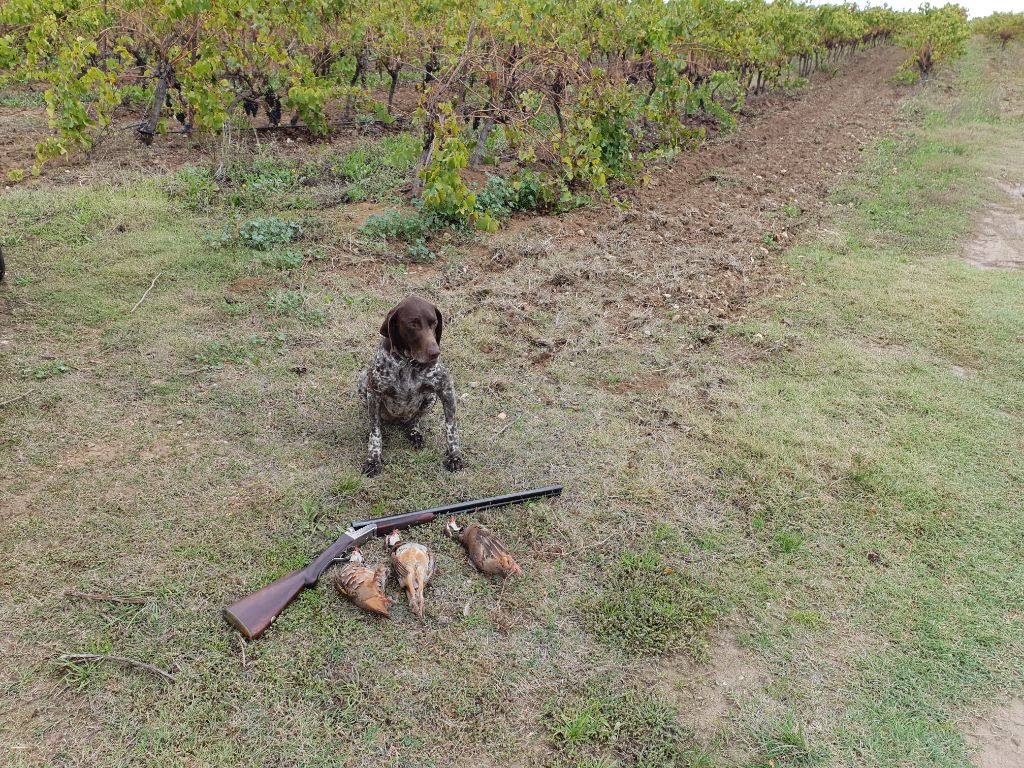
(107, 598)
(22, 396)
(139, 302)
(78, 658)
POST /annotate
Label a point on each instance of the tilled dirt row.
(696, 243)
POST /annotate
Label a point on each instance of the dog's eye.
(431, 323)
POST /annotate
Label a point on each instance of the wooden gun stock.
(253, 614)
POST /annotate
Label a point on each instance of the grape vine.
(576, 89)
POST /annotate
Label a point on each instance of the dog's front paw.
(371, 468)
(453, 462)
(416, 438)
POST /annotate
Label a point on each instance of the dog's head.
(413, 327)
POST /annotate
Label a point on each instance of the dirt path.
(695, 244)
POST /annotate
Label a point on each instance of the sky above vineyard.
(975, 7)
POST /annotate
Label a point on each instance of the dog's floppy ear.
(389, 328)
(438, 327)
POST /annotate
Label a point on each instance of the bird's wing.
(397, 562)
(431, 562)
(490, 545)
(381, 575)
(349, 579)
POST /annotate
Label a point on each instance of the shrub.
(446, 199)
(524, 190)
(1001, 28)
(934, 35)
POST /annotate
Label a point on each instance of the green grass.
(254, 181)
(846, 509)
(648, 605)
(603, 726)
(867, 439)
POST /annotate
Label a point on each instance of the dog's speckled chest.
(406, 389)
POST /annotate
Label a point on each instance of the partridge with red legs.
(413, 564)
(364, 586)
(485, 550)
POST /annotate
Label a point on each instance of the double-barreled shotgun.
(253, 614)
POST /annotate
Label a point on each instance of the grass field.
(821, 501)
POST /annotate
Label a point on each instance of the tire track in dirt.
(696, 244)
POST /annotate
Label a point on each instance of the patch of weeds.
(285, 302)
(79, 676)
(410, 227)
(293, 303)
(607, 726)
(265, 233)
(255, 182)
(524, 190)
(792, 210)
(784, 744)
(419, 252)
(808, 619)
(647, 605)
(215, 354)
(43, 372)
(375, 170)
(289, 259)
(22, 100)
(300, 203)
(786, 542)
(354, 165)
(234, 309)
(195, 188)
(347, 485)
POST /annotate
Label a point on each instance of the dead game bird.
(414, 567)
(364, 586)
(485, 550)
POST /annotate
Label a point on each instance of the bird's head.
(453, 529)
(393, 540)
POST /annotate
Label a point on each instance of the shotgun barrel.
(253, 614)
(384, 524)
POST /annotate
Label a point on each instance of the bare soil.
(998, 737)
(999, 240)
(698, 241)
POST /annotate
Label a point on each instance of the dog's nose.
(433, 354)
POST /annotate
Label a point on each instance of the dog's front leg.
(453, 461)
(376, 442)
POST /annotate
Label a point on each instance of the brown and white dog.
(405, 379)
